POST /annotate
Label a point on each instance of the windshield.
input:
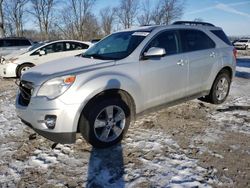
(116, 46)
(33, 47)
(242, 41)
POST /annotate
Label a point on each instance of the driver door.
(52, 52)
(164, 78)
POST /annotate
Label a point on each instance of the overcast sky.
(232, 15)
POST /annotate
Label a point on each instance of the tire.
(22, 68)
(105, 121)
(220, 89)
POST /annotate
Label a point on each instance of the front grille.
(26, 90)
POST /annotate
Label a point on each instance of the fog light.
(50, 121)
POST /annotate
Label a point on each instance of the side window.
(1, 43)
(222, 36)
(11, 43)
(51, 48)
(75, 46)
(24, 43)
(55, 47)
(167, 40)
(193, 40)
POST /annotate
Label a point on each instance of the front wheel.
(105, 122)
(22, 68)
(220, 88)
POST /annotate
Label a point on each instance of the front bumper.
(63, 138)
(8, 70)
(34, 114)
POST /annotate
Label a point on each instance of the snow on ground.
(231, 116)
(146, 158)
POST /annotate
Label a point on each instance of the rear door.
(202, 58)
(164, 78)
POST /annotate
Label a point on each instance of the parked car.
(126, 73)
(242, 44)
(14, 66)
(12, 44)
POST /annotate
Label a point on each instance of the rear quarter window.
(194, 40)
(222, 36)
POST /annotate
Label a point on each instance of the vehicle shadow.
(106, 166)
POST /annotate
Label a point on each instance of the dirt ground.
(194, 144)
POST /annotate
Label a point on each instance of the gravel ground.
(194, 144)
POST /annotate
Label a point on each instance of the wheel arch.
(25, 63)
(226, 69)
(109, 93)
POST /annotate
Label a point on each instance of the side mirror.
(42, 52)
(154, 52)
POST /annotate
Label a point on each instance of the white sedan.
(13, 65)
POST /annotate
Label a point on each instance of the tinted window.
(34, 46)
(75, 46)
(24, 42)
(243, 41)
(222, 36)
(167, 40)
(1, 43)
(193, 40)
(51, 48)
(10, 43)
(15, 42)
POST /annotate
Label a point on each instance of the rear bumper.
(63, 138)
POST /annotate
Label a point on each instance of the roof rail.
(192, 23)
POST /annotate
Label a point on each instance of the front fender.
(82, 93)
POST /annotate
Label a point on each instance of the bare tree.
(107, 16)
(14, 11)
(146, 14)
(157, 13)
(42, 11)
(79, 22)
(127, 12)
(198, 20)
(167, 11)
(1, 19)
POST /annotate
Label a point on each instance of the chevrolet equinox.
(129, 72)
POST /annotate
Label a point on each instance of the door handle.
(212, 54)
(180, 62)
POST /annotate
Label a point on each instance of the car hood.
(67, 66)
(15, 54)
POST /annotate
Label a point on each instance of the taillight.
(235, 53)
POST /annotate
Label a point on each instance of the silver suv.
(129, 72)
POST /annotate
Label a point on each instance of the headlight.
(56, 87)
(12, 60)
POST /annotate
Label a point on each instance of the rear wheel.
(22, 68)
(220, 89)
(105, 122)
